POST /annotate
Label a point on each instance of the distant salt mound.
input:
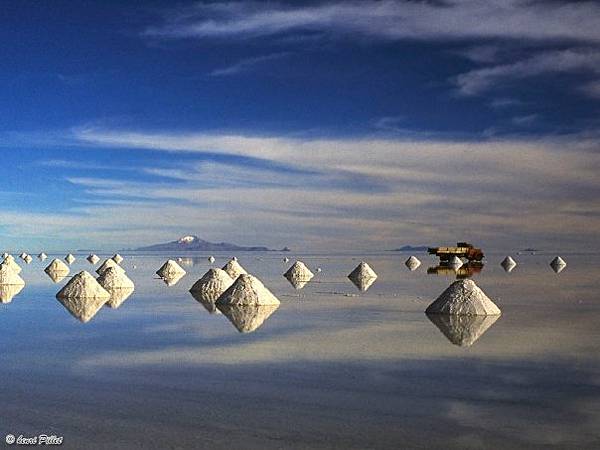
(10, 262)
(170, 269)
(233, 268)
(412, 263)
(298, 275)
(23, 256)
(9, 277)
(247, 290)
(92, 258)
(28, 259)
(57, 267)
(9, 291)
(462, 330)
(212, 284)
(247, 319)
(455, 262)
(117, 284)
(463, 297)
(70, 259)
(5, 255)
(42, 256)
(508, 264)
(83, 296)
(108, 263)
(286, 259)
(558, 264)
(117, 258)
(211, 259)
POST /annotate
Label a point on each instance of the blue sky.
(317, 125)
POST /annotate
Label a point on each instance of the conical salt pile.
(170, 269)
(286, 259)
(247, 290)
(9, 277)
(10, 262)
(28, 259)
(247, 319)
(108, 263)
(23, 255)
(5, 255)
(362, 271)
(117, 258)
(42, 256)
(9, 291)
(462, 330)
(92, 258)
(212, 284)
(412, 263)
(299, 272)
(508, 264)
(57, 267)
(558, 264)
(118, 285)
(455, 262)
(69, 258)
(234, 269)
(463, 297)
(211, 259)
(83, 285)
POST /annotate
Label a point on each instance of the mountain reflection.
(247, 319)
(462, 330)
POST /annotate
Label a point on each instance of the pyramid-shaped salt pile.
(211, 259)
(5, 255)
(69, 258)
(23, 255)
(462, 330)
(558, 264)
(455, 262)
(170, 269)
(118, 285)
(93, 258)
(247, 290)
(42, 256)
(412, 263)
(9, 277)
(109, 263)
(299, 272)
(57, 267)
(212, 284)
(233, 268)
(463, 297)
(28, 259)
(363, 276)
(508, 264)
(247, 319)
(286, 259)
(117, 258)
(10, 262)
(83, 296)
(9, 291)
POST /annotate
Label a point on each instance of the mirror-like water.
(334, 366)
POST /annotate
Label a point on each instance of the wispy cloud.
(247, 64)
(390, 20)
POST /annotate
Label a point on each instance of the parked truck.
(462, 250)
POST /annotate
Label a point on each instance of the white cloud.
(247, 64)
(389, 20)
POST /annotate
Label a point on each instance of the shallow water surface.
(332, 367)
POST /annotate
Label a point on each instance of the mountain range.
(194, 243)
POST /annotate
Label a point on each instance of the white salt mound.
(42, 256)
(299, 272)
(247, 290)
(117, 258)
(83, 285)
(9, 291)
(92, 258)
(412, 263)
(22, 255)
(112, 279)
(70, 258)
(57, 277)
(557, 262)
(10, 262)
(28, 259)
(5, 255)
(463, 297)
(212, 284)
(57, 267)
(106, 264)
(286, 259)
(9, 277)
(170, 269)
(508, 264)
(455, 261)
(211, 259)
(233, 268)
(362, 271)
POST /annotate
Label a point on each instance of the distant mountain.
(411, 248)
(194, 243)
